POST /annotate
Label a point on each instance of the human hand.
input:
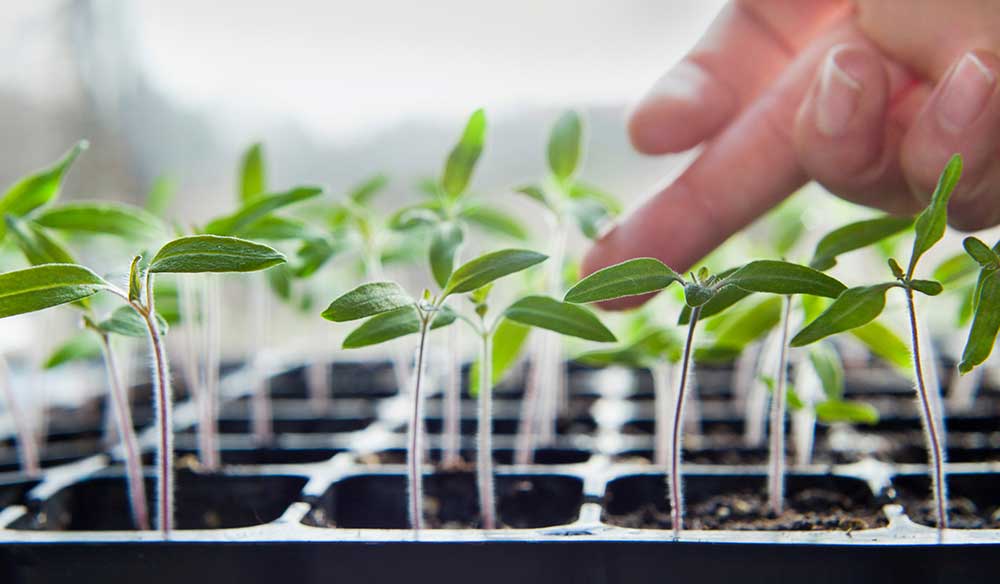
(870, 98)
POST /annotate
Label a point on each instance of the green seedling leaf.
(36, 245)
(826, 363)
(591, 217)
(884, 343)
(932, 222)
(833, 411)
(313, 254)
(118, 219)
(279, 278)
(629, 278)
(955, 269)
(564, 145)
(561, 317)
(424, 214)
(534, 192)
(981, 253)
(928, 287)
(654, 345)
(135, 279)
(213, 253)
(363, 193)
(79, 347)
(126, 322)
(855, 236)
(794, 401)
(777, 277)
(583, 191)
(368, 300)
(392, 325)
(253, 177)
(277, 228)
(167, 300)
(444, 245)
(489, 267)
(257, 208)
(750, 324)
(508, 342)
(160, 195)
(462, 160)
(985, 323)
(896, 269)
(716, 354)
(495, 221)
(41, 287)
(39, 188)
(853, 308)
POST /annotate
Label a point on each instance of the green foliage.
(126, 322)
(981, 253)
(40, 287)
(363, 193)
(561, 317)
(368, 300)
(564, 145)
(508, 341)
(462, 160)
(36, 245)
(444, 245)
(854, 412)
(986, 306)
(37, 189)
(628, 278)
(213, 253)
(135, 279)
(489, 267)
(494, 221)
(392, 325)
(253, 176)
(656, 344)
(855, 236)
(118, 219)
(777, 277)
(884, 343)
(79, 347)
(853, 308)
(749, 324)
(828, 367)
(258, 208)
(932, 222)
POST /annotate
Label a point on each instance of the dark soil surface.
(963, 513)
(450, 501)
(808, 510)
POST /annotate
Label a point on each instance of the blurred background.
(335, 90)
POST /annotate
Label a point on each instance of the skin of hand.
(870, 98)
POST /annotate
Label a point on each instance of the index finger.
(749, 168)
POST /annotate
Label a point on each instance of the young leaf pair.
(393, 313)
(645, 275)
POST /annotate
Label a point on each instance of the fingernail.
(965, 93)
(838, 95)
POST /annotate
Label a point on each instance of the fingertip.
(684, 108)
